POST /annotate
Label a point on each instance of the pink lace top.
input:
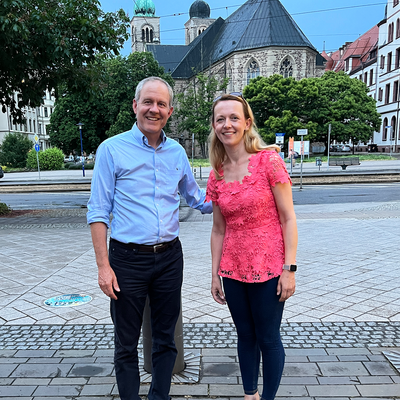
(253, 249)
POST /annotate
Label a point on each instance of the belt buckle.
(157, 246)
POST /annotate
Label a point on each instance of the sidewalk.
(341, 329)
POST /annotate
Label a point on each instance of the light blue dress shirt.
(140, 185)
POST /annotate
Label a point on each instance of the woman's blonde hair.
(252, 140)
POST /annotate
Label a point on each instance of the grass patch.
(200, 162)
(366, 157)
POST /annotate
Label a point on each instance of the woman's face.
(229, 122)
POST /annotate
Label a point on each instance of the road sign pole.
(37, 149)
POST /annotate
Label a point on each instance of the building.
(258, 39)
(37, 120)
(374, 58)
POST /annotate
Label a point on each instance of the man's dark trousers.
(158, 275)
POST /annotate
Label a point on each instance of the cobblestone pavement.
(341, 330)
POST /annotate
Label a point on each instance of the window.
(395, 91)
(390, 32)
(398, 28)
(30, 125)
(389, 62)
(380, 94)
(45, 112)
(387, 94)
(366, 77)
(384, 129)
(382, 62)
(347, 64)
(395, 3)
(34, 126)
(286, 69)
(371, 77)
(393, 130)
(253, 70)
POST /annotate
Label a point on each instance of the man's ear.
(134, 106)
(170, 111)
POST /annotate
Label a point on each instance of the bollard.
(201, 178)
(147, 341)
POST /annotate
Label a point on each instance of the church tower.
(145, 26)
(199, 21)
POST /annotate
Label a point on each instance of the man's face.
(152, 110)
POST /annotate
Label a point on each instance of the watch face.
(291, 267)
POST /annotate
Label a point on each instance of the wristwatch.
(290, 267)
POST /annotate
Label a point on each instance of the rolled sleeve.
(101, 198)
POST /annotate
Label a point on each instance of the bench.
(344, 162)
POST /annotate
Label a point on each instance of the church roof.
(145, 8)
(168, 56)
(256, 24)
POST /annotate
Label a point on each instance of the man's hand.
(108, 282)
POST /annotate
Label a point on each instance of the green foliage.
(195, 105)
(4, 209)
(45, 43)
(109, 112)
(14, 150)
(79, 166)
(49, 160)
(285, 105)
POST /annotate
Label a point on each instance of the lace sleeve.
(212, 194)
(276, 169)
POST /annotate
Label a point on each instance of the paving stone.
(225, 390)
(44, 360)
(91, 370)
(74, 353)
(57, 391)
(301, 369)
(31, 381)
(379, 368)
(220, 369)
(16, 391)
(12, 360)
(380, 390)
(365, 380)
(343, 369)
(189, 390)
(292, 391)
(34, 353)
(229, 380)
(101, 380)
(301, 380)
(333, 391)
(337, 380)
(41, 370)
(69, 381)
(97, 390)
(7, 369)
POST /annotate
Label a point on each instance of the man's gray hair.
(140, 85)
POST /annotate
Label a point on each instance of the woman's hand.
(216, 290)
(286, 285)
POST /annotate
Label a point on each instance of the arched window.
(147, 35)
(390, 32)
(286, 69)
(253, 70)
(143, 35)
(151, 35)
(393, 130)
(30, 125)
(384, 129)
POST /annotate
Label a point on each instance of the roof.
(256, 24)
(168, 56)
(359, 50)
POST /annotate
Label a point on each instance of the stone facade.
(144, 30)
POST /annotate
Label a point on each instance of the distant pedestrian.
(139, 176)
(253, 240)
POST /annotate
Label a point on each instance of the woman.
(253, 240)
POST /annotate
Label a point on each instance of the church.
(259, 39)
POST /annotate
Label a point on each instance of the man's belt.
(147, 248)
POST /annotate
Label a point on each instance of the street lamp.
(82, 159)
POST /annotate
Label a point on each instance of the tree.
(285, 105)
(108, 112)
(14, 150)
(45, 43)
(195, 105)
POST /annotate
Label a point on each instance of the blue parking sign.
(37, 147)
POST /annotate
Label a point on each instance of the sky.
(327, 24)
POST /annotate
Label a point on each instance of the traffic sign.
(302, 132)
(279, 134)
(36, 138)
(37, 147)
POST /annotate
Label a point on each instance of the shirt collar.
(142, 139)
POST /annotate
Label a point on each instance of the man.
(137, 177)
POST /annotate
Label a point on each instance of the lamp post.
(82, 159)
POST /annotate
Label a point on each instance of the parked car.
(70, 158)
(345, 148)
(334, 147)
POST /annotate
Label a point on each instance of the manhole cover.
(68, 300)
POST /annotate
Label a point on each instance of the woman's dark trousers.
(257, 314)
